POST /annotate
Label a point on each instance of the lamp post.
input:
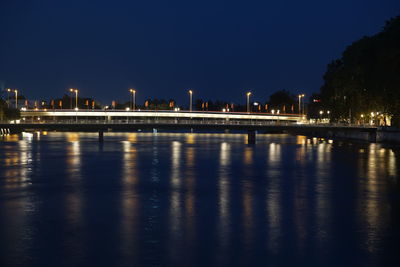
(8, 97)
(71, 91)
(16, 98)
(76, 98)
(133, 100)
(190, 100)
(300, 109)
(248, 101)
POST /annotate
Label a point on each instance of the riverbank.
(386, 135)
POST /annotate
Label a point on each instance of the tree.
(8, 113)
(282, 100)
(366, 79)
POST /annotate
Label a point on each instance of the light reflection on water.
(323, 190)
(195, 199)
(175, 209)
(129, 200)
(224, 223)
(273, 197)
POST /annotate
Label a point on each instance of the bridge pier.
(372, 137)
(251, 137)
(101, 136)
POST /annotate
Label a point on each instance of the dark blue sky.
(161, 48)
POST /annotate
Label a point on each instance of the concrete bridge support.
(251, 137)
(101, 136)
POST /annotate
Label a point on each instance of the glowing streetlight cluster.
(373, 117)
(321, 112)
(9, 90)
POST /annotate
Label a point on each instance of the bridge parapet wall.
(388, 135)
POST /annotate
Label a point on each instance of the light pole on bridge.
(300, 97)
(76, 98)
(8, 97)
(133, 100)
(248, 101)
(190, 100)
(72, 90)
(16, 98)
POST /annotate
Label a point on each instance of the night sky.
(221, 49)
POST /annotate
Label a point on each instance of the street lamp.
(76, 99)
(71, 91)
(16, 98)
(190, 100)
(133, 101)
(248, 101)
(8, 97)
(300, 96)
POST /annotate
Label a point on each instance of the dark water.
(197, 200)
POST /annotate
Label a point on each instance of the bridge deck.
(167, 114)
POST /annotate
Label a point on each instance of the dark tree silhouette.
(366, 79)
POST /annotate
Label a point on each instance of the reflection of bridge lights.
(190, 139)
(28, 136)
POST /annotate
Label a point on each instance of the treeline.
(365, 82)
(6, 112)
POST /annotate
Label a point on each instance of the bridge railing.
(159, 122)
(205, 122)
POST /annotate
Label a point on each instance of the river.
(181, 199)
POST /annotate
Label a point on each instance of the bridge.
(124, 121)
(137, 115)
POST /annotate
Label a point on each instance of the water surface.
(143, 199)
